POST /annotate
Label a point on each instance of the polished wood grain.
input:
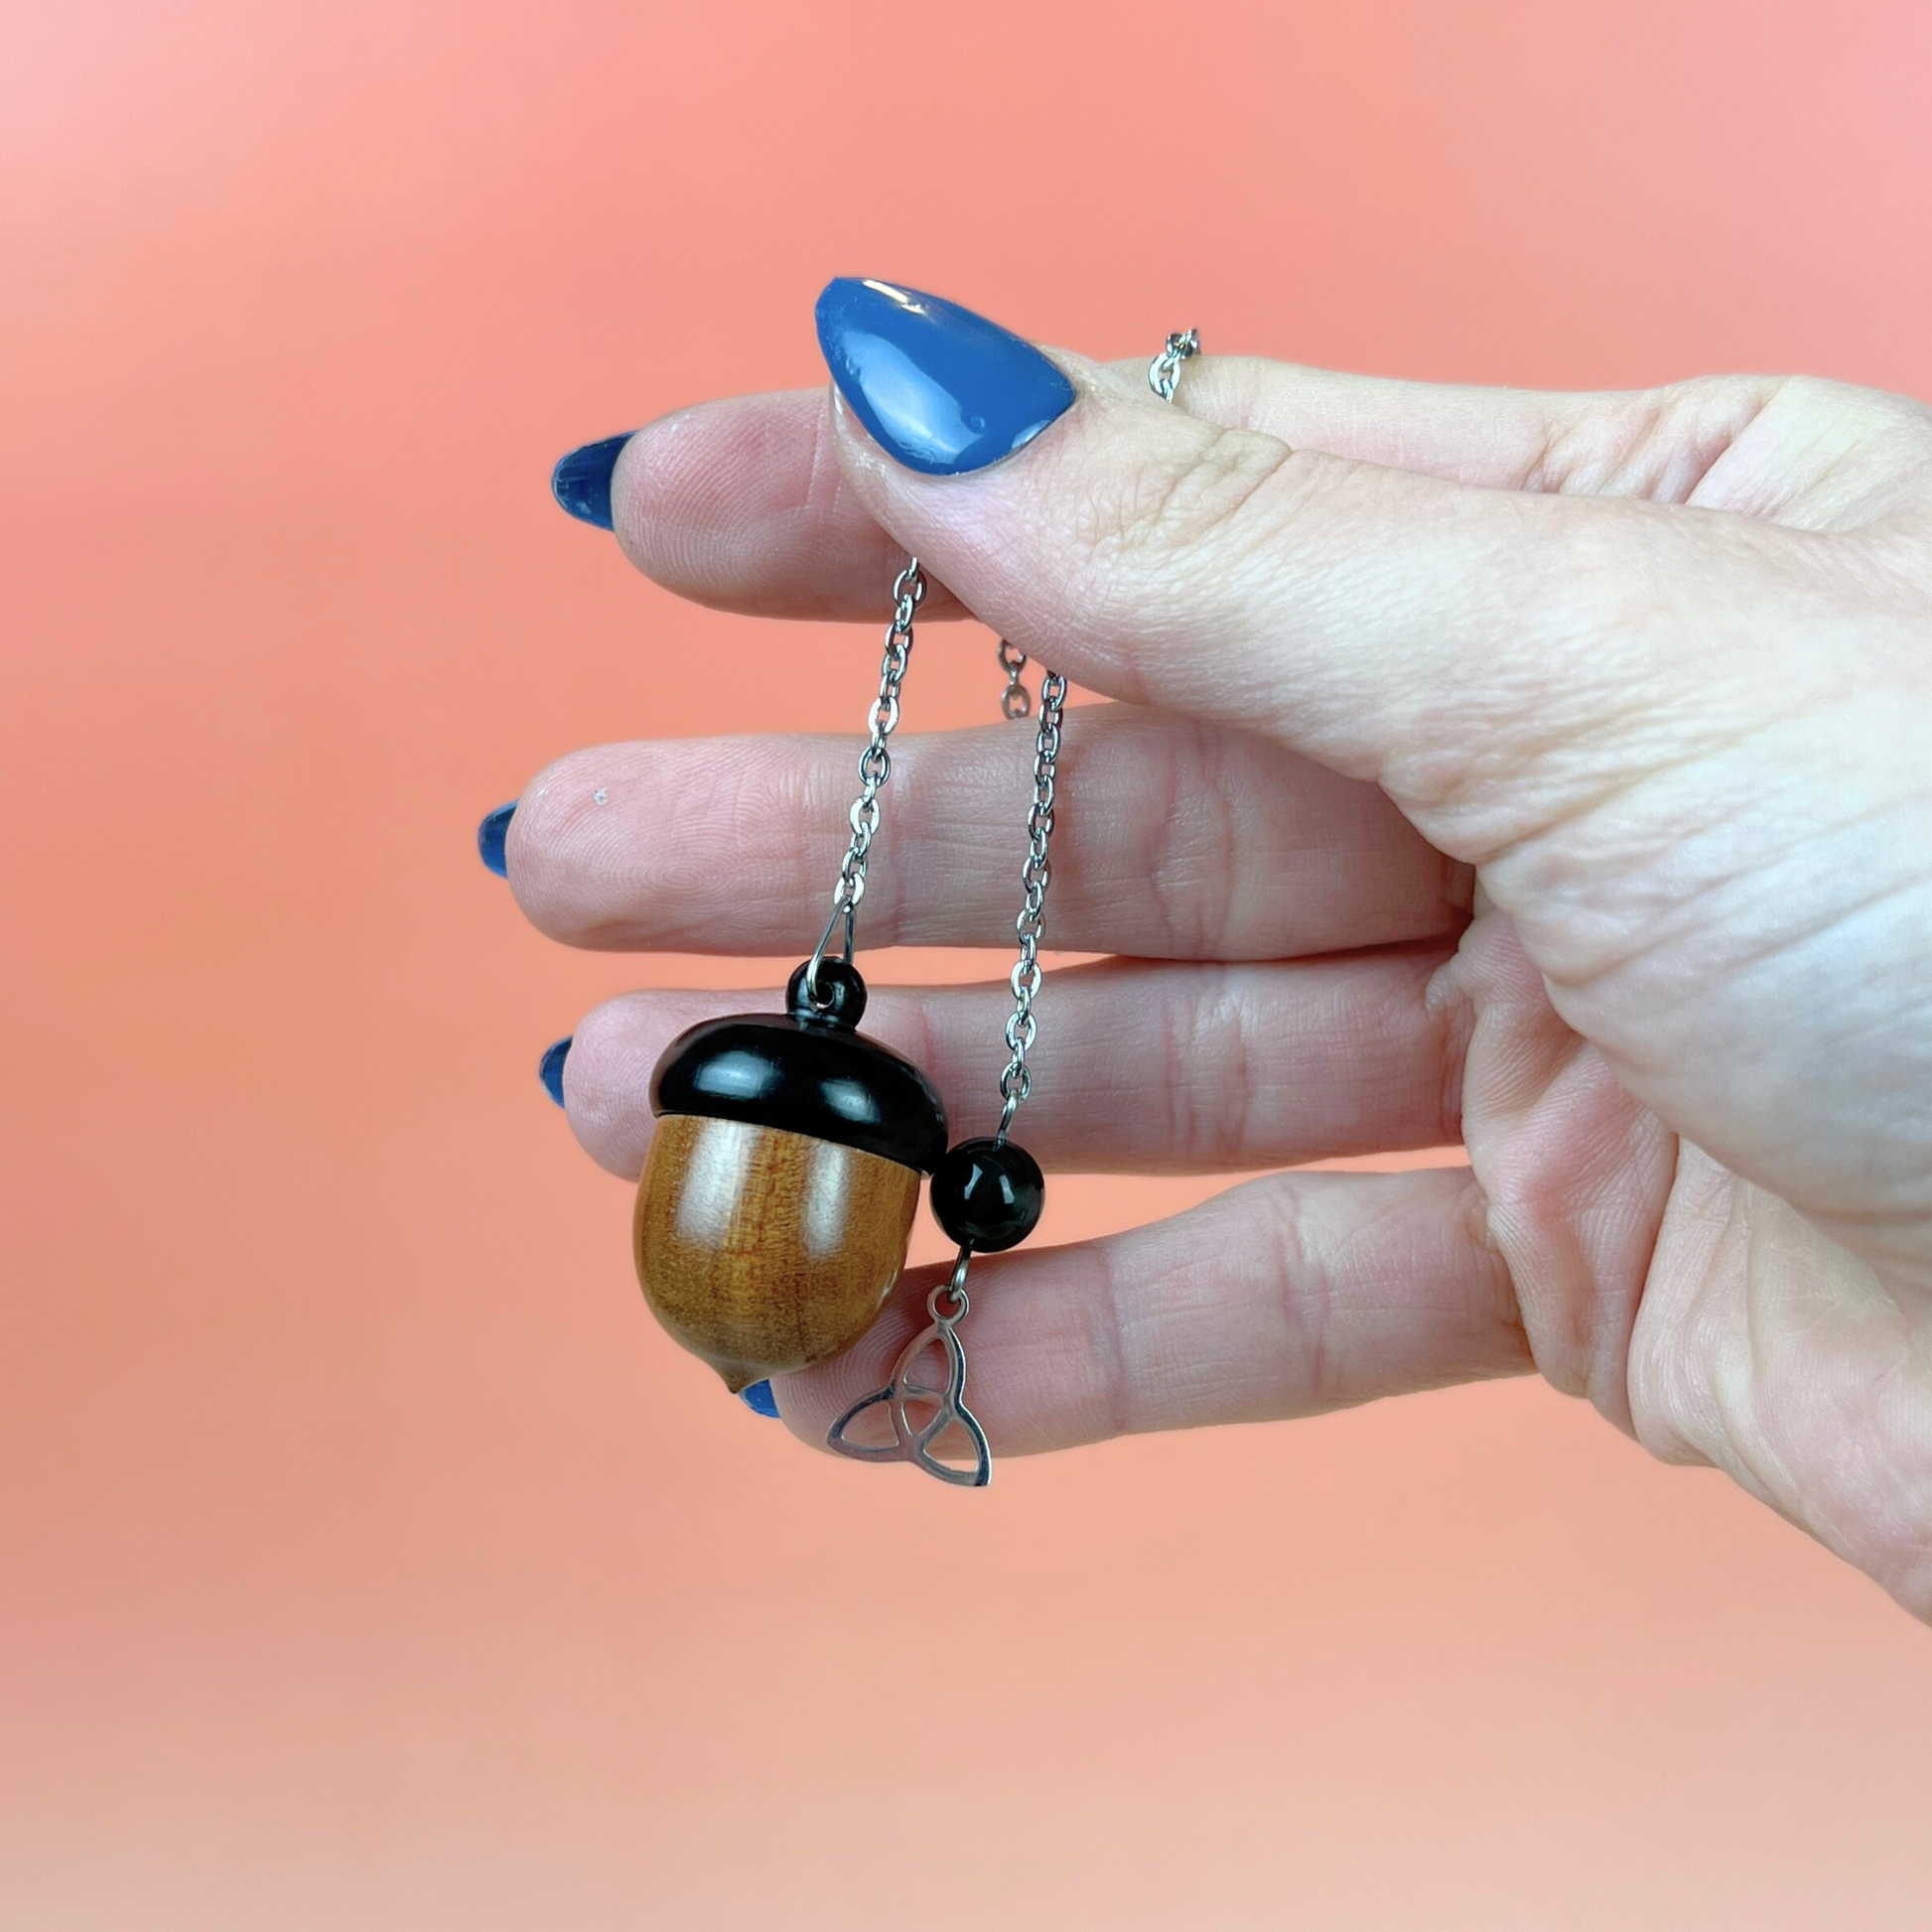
(764, 1251)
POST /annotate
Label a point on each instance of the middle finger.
(1173, 840)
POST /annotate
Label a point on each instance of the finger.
(1444, 640)
(740, 502)
(1137, 1068)
(1289, 1296)
(1498, 661)
(1173, 841)
(1654, 444)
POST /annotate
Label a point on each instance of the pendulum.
(777, 1200)
(778, 1196)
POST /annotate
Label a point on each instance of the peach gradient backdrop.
(366, 1557)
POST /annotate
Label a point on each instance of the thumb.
(1470, 649)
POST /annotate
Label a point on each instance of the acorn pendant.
(778, 1196)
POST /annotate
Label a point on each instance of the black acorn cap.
(808, 1072)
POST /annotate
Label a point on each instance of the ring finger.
(1139, 1067)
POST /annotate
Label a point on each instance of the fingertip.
(740, 504)
(704, 500)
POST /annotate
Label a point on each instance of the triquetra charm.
(778, 1196)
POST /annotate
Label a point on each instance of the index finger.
(741, 504)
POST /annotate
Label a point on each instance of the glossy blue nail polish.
(941, 389)
(581, 482)
(759, 1399)
(550, 1069)
(490, 835)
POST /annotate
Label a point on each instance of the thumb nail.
(942, 390)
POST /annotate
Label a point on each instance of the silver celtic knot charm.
(913, 1439)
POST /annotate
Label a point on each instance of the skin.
(1547, 773)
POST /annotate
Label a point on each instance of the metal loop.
(1015, 701)
(949, 1302)
(1163, 373)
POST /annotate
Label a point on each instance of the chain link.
(1164, 377)
(1036, 875)
(875, 768)
(1015, 701)
(1163, 373)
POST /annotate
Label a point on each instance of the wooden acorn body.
(778, 1196)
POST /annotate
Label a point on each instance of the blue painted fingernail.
(941, 389)
(759, 1399)
(581, 482)
(550, 1069)
(490, 835)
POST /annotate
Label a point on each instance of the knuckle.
(1230, 1045)
(1109, 1345)
(1659, 443)
(1163, 508)
(1211, 1061)
(1170, 864)
(1303, 1292)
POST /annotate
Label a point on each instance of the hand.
(1552, 773)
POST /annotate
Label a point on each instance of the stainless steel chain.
(1164, 377)
(1163, 373)
(921, 1405)
(875, 768)
(1035, 877)
(1015, 701)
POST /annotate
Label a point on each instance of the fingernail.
(550, 1069)
(941, 389)
(759, 1399)
(581, 482)
(490, 835)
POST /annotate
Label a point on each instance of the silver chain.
(1163, 373)
(875, 768)
(1015, 701)
(1164, 377)
(1035, 877)
(913, 1439)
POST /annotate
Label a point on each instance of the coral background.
(366, 1555)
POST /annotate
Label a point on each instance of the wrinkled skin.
(1552, 773)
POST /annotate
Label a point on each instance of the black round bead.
(986, 1194)
(838, 986)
